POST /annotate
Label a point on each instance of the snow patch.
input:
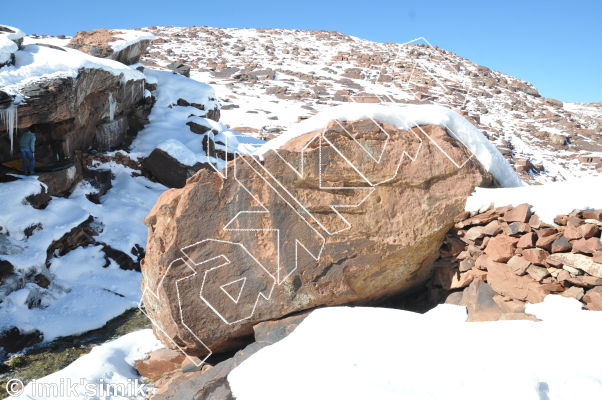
(129, 37)
(112, 363)
(548, 200)
(374, 353)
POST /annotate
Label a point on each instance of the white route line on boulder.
(260, 294)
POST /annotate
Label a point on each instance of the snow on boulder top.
(36, 62)
(173, 87)
(406, 117)
(125, 46)
(11, 32)
(8, 42)
(179, 151)
(129, 37)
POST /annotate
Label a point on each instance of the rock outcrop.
(101, 43)
(344, 216)
(64, 112)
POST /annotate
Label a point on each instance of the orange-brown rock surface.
(351, 215)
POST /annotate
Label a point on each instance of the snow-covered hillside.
(268, 79)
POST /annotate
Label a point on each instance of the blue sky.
(556, 45)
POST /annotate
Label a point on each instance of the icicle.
(112, 106)
(9, 118)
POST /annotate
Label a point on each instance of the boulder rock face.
(353, 214)
(98, 42)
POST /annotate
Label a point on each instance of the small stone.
(534, 221)
(571, 270)
(536, 256)
(466, 264)
(462, 216)
(554, 271)
(579, 261)
(474, 233)
(587, 246)
(515, 228)
(537, 273)
(593, 299)
(598, 257)
(501, 248)
(546, 232)
(521, 213)
(527, 241)
(596, 214)
(547, 241)
(561, 245)
(575, 221)
(591, 280)
(561, 220)
(572, 233)
(588, 230)
(519, 265)
(41, 280)
(492, 228)
(574, 292)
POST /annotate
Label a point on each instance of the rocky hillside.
(270, 78)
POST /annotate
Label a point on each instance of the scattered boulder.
(60, 182)
(13, 340)
(170, 171)
(107, 43)
(180, 68)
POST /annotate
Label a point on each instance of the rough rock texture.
(98, 43)
(64, 112)
(473, 246)
(378, 242)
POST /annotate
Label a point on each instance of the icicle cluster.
(9, 118)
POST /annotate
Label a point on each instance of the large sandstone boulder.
(351, 215)
(124, 46)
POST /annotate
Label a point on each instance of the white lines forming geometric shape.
(233, 290)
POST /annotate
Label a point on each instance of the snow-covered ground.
(375, 353)
(548, 200)
(107, 372)
(83, 295)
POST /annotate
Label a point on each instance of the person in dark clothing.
(28, 148)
